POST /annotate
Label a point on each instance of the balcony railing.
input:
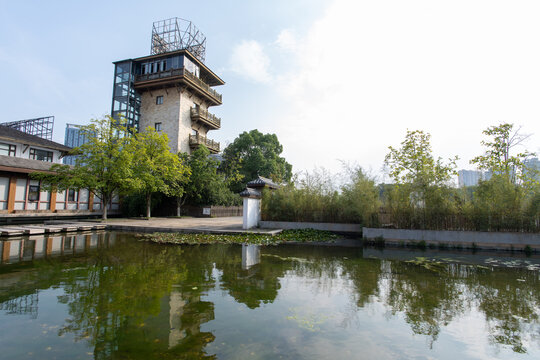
(180, 72)
(198, 114)
(196, 140)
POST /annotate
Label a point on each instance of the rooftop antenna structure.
(178, 34)
(42, 127)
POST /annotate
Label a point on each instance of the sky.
(337, 81)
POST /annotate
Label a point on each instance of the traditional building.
(22, 154)
(170, 89)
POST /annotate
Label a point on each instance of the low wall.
(342, 228)
(488, 240)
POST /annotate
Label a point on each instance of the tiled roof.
(262, 182)
(17, 164)
(249, 192)
(10, 134)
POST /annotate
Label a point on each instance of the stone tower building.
(170, 89)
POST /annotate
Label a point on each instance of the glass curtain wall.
(126, 101)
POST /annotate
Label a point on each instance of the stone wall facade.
(174, 114)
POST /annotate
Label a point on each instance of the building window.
(158, 126)
(42, 155)
(7, 149)
(159, 100)
(72, 195)
(33, 193)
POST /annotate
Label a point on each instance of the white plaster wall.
(83, 198)
(60, 198)
(20, 191)
(4, 192)
(20, 147)
(251, 213)
(44, 200)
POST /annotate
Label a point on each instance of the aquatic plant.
(300, 235)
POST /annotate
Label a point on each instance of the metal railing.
(208, 117)
(195, 140)
(184, 73)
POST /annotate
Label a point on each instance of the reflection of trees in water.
(132, 301)
(365, 275)
(428, 298)
(140, 300)
(431, 298)
(256, 285)
(511, 307)
(260, 283)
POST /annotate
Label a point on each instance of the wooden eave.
(216, 80)
(172, 81)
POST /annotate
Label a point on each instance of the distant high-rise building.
(471, 177)
(73, 138)
(170, 90)
(533, 166)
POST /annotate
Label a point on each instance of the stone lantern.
(252, 200)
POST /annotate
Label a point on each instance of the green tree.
(256, 154)
(498, 158)
(508, 200)
(414, 163)
(102, 166)
(206, 185)
(421, 190)
(155, 169)
(361, 197)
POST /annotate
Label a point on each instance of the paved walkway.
(221, 225)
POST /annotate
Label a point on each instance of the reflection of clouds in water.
(470, 331)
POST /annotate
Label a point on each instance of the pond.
(110, 296)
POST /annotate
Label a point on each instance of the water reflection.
(124, 299)
(251, 255)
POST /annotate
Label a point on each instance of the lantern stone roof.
(261, 182)
(251, 193)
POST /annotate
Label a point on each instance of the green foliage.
(207, 185)
(510, 198)
(414, 163)
(498, 158)
(315, 198)
(301, 235)
(421, 189)
(155, 169)
(254, 153)
(103, 166)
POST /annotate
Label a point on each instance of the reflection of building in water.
(251, 255)
(183, 308)
(36, 247)
(174, 332)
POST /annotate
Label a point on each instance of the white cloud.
(286, 40)
(250, 61)
(367, 71)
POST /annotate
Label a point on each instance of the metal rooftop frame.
(42, 127)
(178, 34)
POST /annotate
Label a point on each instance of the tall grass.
(493, 205)
(316, 197)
